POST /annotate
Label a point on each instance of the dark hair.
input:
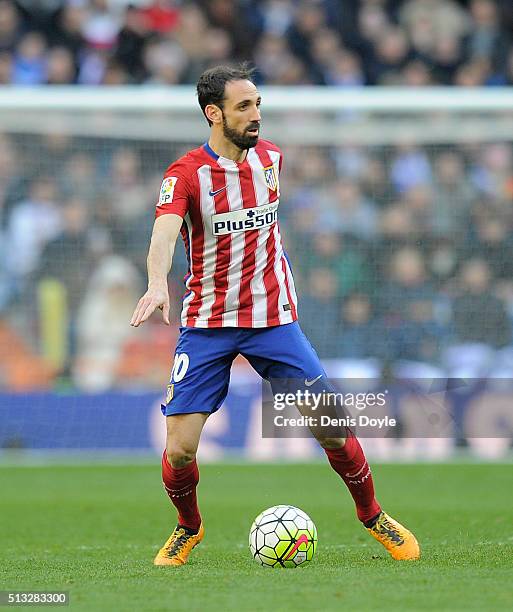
(211, 84)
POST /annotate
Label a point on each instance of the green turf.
(93, 530)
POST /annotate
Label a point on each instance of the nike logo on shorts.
(309, 383)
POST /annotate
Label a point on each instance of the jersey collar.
(210, 151)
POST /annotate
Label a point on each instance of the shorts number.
(180, 367)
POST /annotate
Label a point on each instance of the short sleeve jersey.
(239, 274)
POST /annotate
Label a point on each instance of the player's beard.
(242, 140)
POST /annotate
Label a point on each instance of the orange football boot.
(178, 547)
(398, 541)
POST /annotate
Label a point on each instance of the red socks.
(180, 485)
(350, 464)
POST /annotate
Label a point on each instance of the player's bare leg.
(347, 458)
(180, 476)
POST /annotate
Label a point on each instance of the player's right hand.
(153, 298)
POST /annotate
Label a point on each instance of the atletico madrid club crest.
(271, 178)
(170, 391)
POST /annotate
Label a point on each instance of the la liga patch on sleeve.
(167, 189)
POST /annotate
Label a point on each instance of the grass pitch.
(94, 530)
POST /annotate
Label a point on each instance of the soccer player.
(223, 199)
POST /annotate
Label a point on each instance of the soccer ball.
(283, 536)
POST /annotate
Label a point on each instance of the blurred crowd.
(330, 42)
(402, 254)
(408, 252)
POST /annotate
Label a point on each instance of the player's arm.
(160, 256)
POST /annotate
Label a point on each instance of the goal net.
(396, 212)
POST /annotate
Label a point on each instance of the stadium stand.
(409, 242)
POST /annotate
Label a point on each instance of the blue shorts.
(203, 359)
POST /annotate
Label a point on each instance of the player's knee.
(179, 455)
(331, 443)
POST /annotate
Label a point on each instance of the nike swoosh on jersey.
(213, 193)
(309, 383)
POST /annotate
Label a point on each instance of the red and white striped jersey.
(239, 275)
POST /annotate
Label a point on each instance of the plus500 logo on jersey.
(244, 219)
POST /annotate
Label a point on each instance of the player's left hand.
(150, 301)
